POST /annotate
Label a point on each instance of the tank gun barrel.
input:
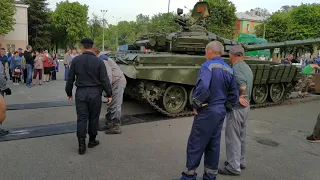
(155, 42)
(146, 43)
(282, 44)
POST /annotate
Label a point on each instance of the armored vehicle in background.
(165, 78)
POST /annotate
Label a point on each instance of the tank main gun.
(155, 41)
(281, 44)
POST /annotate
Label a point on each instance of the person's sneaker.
(313, 139)
(241, 166)
(225, 171)
(92, 144)
(3, 132)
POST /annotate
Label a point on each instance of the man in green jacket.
(305, 82)
(315, 136)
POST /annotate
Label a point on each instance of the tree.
(142, 24)
(304, 21)
(163, 22)
(222, 18)
(291, 23)
(95, 26)
(38, 24)
(287, 8)
(70, 19)
(260, 12)
(276, 27)
(7, 12)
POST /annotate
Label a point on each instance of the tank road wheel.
(175, 99)
(276, 92)
(190, 96)
(260, 93)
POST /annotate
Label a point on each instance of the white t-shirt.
(262, 58)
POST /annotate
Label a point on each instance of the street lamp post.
(264, 29)
(117, 43)
(103, 13)
(168, 6)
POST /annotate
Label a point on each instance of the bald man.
(215, 94)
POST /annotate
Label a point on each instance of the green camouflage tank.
(165, 78)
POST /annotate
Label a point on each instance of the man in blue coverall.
(216, 93)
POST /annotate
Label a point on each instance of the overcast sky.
(128, 9)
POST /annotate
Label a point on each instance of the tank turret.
(191, 39)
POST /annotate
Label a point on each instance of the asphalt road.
(156, 151)
(276, 145)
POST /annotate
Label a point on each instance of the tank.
(165, 77)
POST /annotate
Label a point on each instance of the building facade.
(246, 23)
(18, 38)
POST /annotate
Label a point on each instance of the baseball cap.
(237, 50)
(20, 49)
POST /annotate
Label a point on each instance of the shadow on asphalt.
(71, 127)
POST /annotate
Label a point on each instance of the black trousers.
(10, 72)
(25, 75)
(53, 73)
(88, 106)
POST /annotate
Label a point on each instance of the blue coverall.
(217, 87)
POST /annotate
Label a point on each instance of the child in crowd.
(16, 76)
(16, 68)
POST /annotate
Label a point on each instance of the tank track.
(142, 95)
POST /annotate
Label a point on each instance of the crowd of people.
(22, 65)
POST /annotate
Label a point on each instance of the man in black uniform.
(91, 79)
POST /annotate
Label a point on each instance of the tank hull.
(165, 81)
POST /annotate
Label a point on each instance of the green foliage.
(292, 22)
(95, 26)
(222, 20)
(304, 21)
(70, 20)
(126, 32)
(38, 24)
(276, 27)
(163, 22)
(7, 12)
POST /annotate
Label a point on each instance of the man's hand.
(109, 100)
(195, 111)
(315, 66)
(7, 91)
(69, 98)
(243, 101)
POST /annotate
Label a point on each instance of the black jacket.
(28, 56)
(88, 71)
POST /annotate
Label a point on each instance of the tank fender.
(129, 71)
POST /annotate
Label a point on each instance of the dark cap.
(20, 49)
(237, 50)
(86, 41)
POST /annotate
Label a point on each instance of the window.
(248, 27)
(12, 46)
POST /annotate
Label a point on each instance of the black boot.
(115, 129)
(82, 145)
(93, 142)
